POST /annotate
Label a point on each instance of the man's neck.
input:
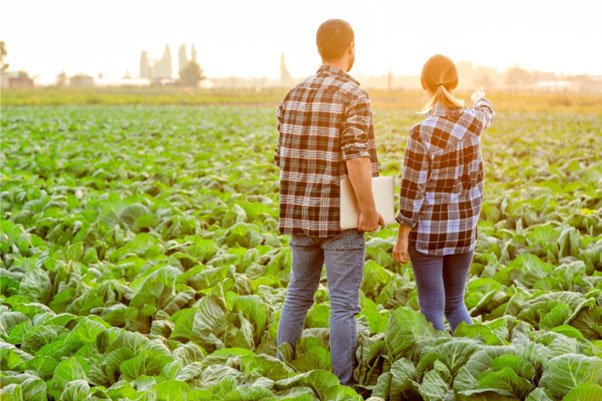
(340, 64)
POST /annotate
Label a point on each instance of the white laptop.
(382, 190)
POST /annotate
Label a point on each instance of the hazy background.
(246, 38)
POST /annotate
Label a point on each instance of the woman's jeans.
(344, 256)
(440, 281)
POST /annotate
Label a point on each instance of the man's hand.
(369, 221)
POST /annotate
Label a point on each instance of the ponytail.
(443, 96)
(440, 77)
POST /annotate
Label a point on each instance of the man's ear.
(351, 48)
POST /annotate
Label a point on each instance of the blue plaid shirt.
(442, 179)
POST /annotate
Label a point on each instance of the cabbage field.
(140, 260)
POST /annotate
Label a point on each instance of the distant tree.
(61, 79)
(191, 74)
(22, 74)
(516, 76)
(3, 53)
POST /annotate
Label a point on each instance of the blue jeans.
(344, 255)
(440, 281)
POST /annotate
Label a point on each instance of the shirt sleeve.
(277, 150)
(484, 113)
(415, 173)
(357, 124)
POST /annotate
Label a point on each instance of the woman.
(441, 194)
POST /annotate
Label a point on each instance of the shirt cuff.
(401, 219)
(484, 102)
(355, 151)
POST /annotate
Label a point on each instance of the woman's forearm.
(404, 231)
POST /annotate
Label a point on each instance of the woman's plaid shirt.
(322, 122)
(442, 179)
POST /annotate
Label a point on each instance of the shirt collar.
(329, 69)
(440, 110)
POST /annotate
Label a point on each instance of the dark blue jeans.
(344, 256)
(440, 281)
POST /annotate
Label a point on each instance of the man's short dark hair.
(333, 38)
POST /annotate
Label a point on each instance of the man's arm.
(360, 176)
(355, 143)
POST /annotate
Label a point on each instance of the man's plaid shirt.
(442, 179)
(322, 122)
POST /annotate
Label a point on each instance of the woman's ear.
(423, 83)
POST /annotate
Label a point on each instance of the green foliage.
(140, 260)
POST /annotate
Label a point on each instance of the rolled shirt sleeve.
(415, 174)
(484, 113)
(357, 124)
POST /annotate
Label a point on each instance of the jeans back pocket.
(347, 240)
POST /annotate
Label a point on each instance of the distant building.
(17, 79)
(285, 76)
(81, 81)
(162, 69)
(3, 79)
(557, 85)
(182, 58)
(161, 72)
(145, 69)
(193, 54)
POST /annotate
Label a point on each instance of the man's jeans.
(344, 256)
(440, 282)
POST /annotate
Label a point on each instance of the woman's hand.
(400, 250)
(477, 94)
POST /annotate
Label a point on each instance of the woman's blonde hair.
(440, 77)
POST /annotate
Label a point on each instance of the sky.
(245, 38)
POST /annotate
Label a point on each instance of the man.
(326, 133)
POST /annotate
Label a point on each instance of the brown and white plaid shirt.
(442, 179)
(322, 122)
